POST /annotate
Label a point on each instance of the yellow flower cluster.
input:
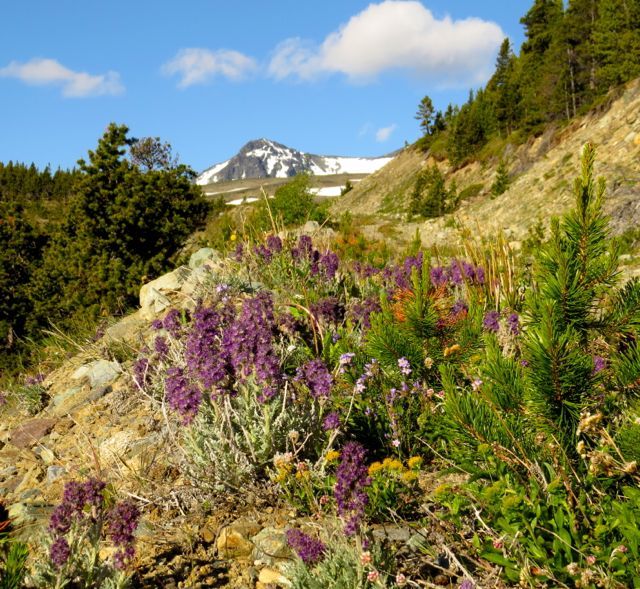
(332, 456)
(393, 466)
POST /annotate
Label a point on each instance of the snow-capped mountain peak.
(264, 158)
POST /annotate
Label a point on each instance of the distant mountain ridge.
(264, 158)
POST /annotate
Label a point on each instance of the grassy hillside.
(541, 173)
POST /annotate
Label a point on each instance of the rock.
(198, 277)
(310, 227)
(126, 330)
(54, 473)
(273, 577)
(31, 431)
(154, 296)
(100, 373)
(203, 256)
(5, 473)
(232, 544)
(270, 547)
(116, 447)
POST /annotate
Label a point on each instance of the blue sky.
(337, 77)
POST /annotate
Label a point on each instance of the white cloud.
(197, 66)
(391, 35)
(43, 72)
(384, 133)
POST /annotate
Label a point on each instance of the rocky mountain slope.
(542, 172)
(263, 158)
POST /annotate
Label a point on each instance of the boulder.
(204, 256)
(100, 373)
(155, 296)
(30, 432)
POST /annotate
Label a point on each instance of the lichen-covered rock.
(156, 296)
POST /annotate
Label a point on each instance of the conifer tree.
(529, 409)
(124, 225)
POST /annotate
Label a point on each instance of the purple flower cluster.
(513, 323)
(262, 251)
(329, 262)
(274, 243)
(331, 421)
(366, 270)
(75, 497)
(160, 346)
(304, 249)
(202, 348)
(400, 276)
(404, 366)
(599, 364)
(317, 377)
(309, 549)
(172, 322)
(491, 321)
(459, 307)
(362, 311)
(141, 372)
(329, 309)
(248, 343)
(59, 552)
(183, 396)
(457, 273)
(352, 479)
(121, 525)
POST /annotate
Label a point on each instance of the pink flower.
(401, 580)
(365, 557)
(373, 576)
(498, 544)
(591, 559)
(396, 443)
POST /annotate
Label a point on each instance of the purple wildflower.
(204, 360)
(248, 341)
(141, 371)
(93, 492)
(351, 482)
(60, 519)
(156, 324)
(599, 364)
(238, 254)
(479, 275)
(121, 525)
(344, 361)
(459, 307)
(274, 243)
(172, 322)
(491, 321)
(513, 323)
(160, 346)
(59, 552)
(467, 584)
(263, 252)
(438, 276)
(304, 248)
(329, 262)
(331, 421)
(309, 549)
(405, 367)
(329, 309)
(317, 377)
(455, 273)
(363, 310)
(182, 395)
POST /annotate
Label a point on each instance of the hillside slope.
(542, 171)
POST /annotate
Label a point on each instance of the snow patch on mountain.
(263, 158)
